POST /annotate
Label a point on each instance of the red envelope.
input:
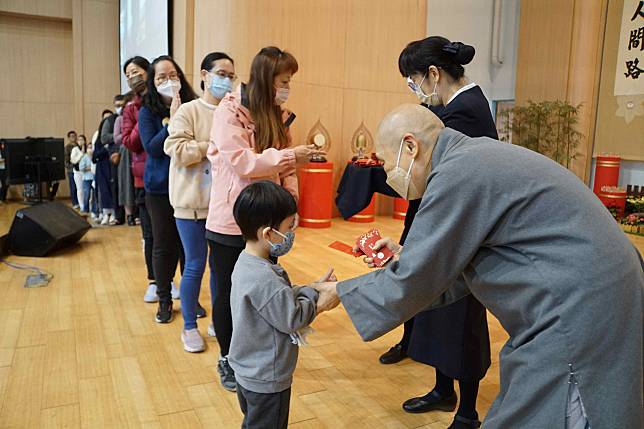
(343, 247)
(366, 243)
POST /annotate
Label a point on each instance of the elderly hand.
(328, 298)
(176, 102)
(387, 242)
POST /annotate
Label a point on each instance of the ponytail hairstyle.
(270, 129)
(435, 51)
(152, 100)
(208, 62)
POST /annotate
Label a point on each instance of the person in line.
(270, 315)
(167, 89)
(69, 168)
(135, 70)
(454, 339)
(528, 239)
(107, 139)
(249, 141)
(189, 185)
(102, 177)
(87, 169)
(122, 182)
(74, 159)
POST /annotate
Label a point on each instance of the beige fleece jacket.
(190, 176)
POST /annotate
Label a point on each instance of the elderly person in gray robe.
(531, 242)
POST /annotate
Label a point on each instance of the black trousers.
(222, 261)
(264, 410)
(146, 230)
(167, 249)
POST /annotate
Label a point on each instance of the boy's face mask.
(281, 249)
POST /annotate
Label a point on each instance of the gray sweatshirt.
(266, 309)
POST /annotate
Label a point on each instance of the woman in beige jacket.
(189, 184)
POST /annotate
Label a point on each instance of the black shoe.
(430, 402)
(227, 375)
(463, 423)
(164, 313)
(394, 355)
(201, 312)
(130, 220)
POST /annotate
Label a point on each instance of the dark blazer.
(455, 339)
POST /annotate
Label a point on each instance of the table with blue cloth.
(357, 186)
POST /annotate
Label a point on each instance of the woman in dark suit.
(453, 339)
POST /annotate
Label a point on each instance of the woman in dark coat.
(453, 339)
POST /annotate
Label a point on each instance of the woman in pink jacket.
(249, 141)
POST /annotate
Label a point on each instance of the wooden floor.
(85, 350)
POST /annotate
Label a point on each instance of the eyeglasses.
(223, 74)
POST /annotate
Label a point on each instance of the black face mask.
(136, 83)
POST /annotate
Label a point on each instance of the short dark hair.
(435, 51)
(106, 111)
(208, 62)
(262, 203)
(69, 133)
(119, 97)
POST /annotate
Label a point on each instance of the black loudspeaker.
(43, 228)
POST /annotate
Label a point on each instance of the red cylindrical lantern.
(616, 199)
(606, 172)
(368, 214)
(315, 207)
(400, 208)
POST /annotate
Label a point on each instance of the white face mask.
(119, 110)
(400, 180)
(281, 95)
(169, 88)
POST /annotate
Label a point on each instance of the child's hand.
(328, 277)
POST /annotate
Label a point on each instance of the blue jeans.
(72, 188)
(89, 193)
(195, 247)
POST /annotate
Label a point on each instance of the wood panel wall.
(559, 58)
(347, 52)
(59, 65)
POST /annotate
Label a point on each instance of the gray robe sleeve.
(451, 224)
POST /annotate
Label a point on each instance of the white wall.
(470, 22)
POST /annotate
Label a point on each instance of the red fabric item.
(132, 140)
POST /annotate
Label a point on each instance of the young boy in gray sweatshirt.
(267, 311)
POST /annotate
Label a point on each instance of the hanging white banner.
(629, 72)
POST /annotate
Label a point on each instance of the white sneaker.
(192, 341)
(105, 220)
(93, 216)
(211, 330)
(112, 220)
(151, 293)
(175, 291)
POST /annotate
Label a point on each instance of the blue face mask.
(281, 249)
(220, 86)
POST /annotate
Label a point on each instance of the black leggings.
(167, 249)
(222, 261)
(146, 230)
